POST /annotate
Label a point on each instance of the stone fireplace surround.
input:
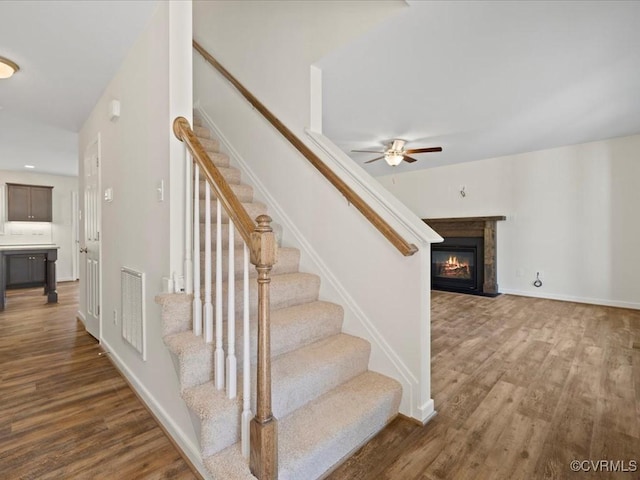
(469, 227)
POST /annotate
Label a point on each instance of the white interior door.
(91, 249)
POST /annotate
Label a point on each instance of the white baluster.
(208, 308)
(188, 259)
(246, 359)
(197, 301)
(219, 353)
(231, 319)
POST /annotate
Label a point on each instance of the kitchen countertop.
(48, 246)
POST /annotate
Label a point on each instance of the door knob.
(83, 250)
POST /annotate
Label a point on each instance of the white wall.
(270, 47)
(59, 231)
(572, 215)
(135, 225)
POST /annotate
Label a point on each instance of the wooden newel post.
(263, 459)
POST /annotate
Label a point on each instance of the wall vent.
(133, 311)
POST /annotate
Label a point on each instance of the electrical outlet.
(178, 283)
(115, 316)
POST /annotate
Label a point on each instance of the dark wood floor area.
(65, 412)
(522, 387)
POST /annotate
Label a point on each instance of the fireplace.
(466, 260)
(457, 265)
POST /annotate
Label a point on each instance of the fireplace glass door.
(457, 265)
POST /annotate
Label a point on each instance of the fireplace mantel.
(474, 227)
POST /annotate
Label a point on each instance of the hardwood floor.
(522, 387)
(65, 412)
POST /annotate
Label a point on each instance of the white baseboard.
(571, 298)
(191, 450)
(427, 411)
(81, 316)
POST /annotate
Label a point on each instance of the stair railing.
(258, 435)
(404, 247)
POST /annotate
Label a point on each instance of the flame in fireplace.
(453, 262)
(455, 268)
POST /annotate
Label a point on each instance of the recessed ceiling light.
(29, 166)
(7, 67)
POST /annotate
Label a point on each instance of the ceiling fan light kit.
(394, 158)
(394, 153)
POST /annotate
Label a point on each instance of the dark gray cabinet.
(28, 266)
(29, 203)
(26, 270)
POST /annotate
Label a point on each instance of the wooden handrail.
(241, 219)
(352, 197)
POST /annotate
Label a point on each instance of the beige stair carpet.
(325, 399)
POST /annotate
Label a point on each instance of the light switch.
(108, 194)
(160, 191)
(114, 110)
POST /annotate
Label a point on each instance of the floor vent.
(133, 317)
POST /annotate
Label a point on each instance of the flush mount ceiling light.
(7, 67)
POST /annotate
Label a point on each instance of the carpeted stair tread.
(303, 324)
(288, 262)
(210, 144)
(185, 342)
(219, 160)
(243, 191)
(254, 209)
(286, 290)
(291, 328)
(297, 378)
(200, 131)
(175, 313)
(231, 174)
(303, 374)
(195, 358)
(238, 240)
(317, 437)
(219, 416)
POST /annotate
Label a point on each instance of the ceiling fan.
(394, 152)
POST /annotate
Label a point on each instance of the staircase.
(325, 399)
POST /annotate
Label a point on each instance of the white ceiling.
(480, 79)
(67, 51)
(486, 79)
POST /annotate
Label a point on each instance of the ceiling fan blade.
(379, 158)
(369, 151)
(424, 150)
(408, 159)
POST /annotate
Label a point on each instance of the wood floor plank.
(65, 412)
(572, 374)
